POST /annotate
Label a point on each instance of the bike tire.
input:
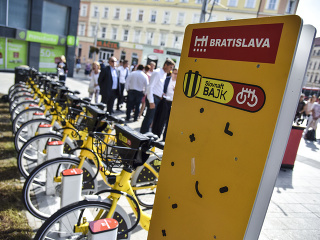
(22, 117)
(71, 214)
(27, 131)
(30, 154)
(22, 106)
(144, 177)
(14, 102)
(42, 195)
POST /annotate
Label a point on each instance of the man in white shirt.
(155, 93)
(136, 85)
(123, 74)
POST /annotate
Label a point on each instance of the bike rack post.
(71, 192)
(54, 150)
(103, 229)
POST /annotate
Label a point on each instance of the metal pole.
(203, 11)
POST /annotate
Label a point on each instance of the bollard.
(71, 192)
(103, 229)
(54, 150)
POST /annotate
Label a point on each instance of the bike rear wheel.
(144, 179)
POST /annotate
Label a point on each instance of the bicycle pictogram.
(247, 96)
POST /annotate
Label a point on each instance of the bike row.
(54, 131)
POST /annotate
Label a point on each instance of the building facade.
(152, 30)
(313, 71)
(37, 32)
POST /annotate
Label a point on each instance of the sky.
(309, 11)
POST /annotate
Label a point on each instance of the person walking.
(78, 64)
(136, 85)
(155, 93)
(123, 74)
(109, 84)
(62, 68)
(93, 85)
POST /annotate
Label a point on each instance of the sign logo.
(251, 43)
(250, 98)
(191, 83)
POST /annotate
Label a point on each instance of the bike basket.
(95, 119)
(113, 156)
(127, 137)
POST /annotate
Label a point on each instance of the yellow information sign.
(231, 82)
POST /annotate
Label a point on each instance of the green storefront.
(14, 52)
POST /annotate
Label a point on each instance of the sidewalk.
(294, 210)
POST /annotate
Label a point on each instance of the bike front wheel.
(42, 191)
(61, 225)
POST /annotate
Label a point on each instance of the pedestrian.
(78, 64)
(87, 70)
(313, 119)
(62, 69)
(162, 114)
(136, 85)
(152, 66)
(155, 93)
(123, 74)
(143, 100)
(300, 109)
(94, 88)
(109, 84)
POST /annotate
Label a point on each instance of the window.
(55, 18)
(177, 41)
(184, 1)
(93, 31)
(137, 34)
(81, 29)
(18, 13)
(163, 39)
(198, 1)
(105, 12)
(140, 16)
(291, 6)
(250, 3)
(125, 35)
(196, 18)
(314, 66)
(232, 3)
(114, 33)
(103, 32)
(128, 15)
(310, 64)
(318, 52)
(180, 20)
(150, 38)
(83, 10)
(153, 16)
(271, 4)
(95, 12)
(166, 17)
(117, 13)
